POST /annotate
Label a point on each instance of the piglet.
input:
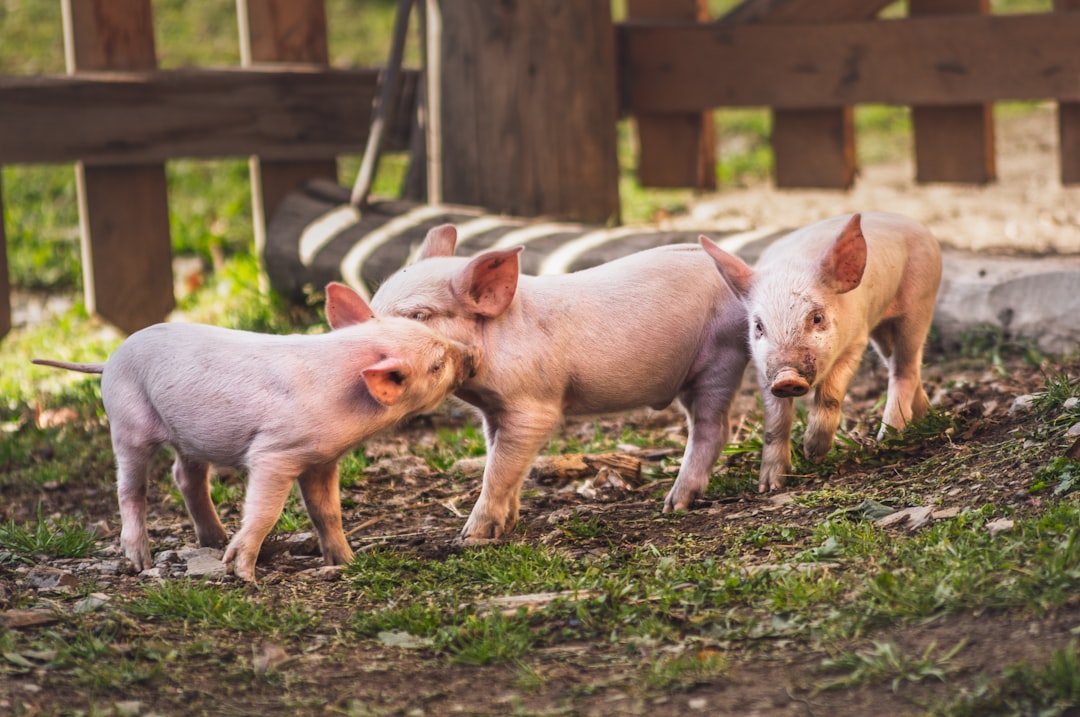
(643, 330)
(814, 299)
(283, 408)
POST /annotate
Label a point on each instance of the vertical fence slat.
(1069, 121)
(953, 144)
(123, 210)
(676, 149)
(282, 31)
(529, 108)
(5, 279)
(811, 147)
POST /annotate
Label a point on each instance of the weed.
(1061, 473)
(487, 639)
(688, 667)
(584, 528)
(217, 607)
(62, 537)
(887, 661)
(1049, 690)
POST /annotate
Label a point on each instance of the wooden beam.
(1069, 120)
(675, 149)
(780, 12)
(811, 147)
(5, 278)
(145, 117)
(953, 144)
(273, 31)
(930, 61)
(529, 108)
(123, 209)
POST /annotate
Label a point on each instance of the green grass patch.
(60, 537)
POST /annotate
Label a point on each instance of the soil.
(415, 514)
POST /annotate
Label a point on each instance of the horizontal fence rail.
(946, 60)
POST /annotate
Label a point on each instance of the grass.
(669, 616)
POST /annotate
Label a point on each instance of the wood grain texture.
(811, 147)
(953, 144)
(123, 209)
(276, 31)
(777, 12)
(675, 149)
(1069, 120)
(5, 278)
(145, 117)
(931, 61)
(529, 108)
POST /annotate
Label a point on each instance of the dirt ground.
(1026, 212)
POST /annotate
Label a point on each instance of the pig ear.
(386, 380)
(487, 283)
(439, 241)
(345, 307)
(843, 265)
(736, 273)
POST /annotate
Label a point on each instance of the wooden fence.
(119, 118)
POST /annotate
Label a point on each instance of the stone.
(48, 578)
(205, 563)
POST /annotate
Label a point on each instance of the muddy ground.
(420, 512)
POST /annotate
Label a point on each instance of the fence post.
(282, 31)
(677, 149)
(955, 143)
(1069, 121)
(530, 108)
(5, 279)
(811, 147)
(123, 209)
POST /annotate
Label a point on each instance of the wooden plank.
(273, 31)
(123, 209)
(929, 61)
(814, 148)
(811, 147)
(1069, 120)
(529, 108)
(145, 117)
(953, 144)
(5, 278)
(778, 12)
(675, 149)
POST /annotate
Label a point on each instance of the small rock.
(1071, 404)
(155, 573)
(1022, 403)
(404, 640)
(205, 563)
(326, 573)
(466, 467)
(945, 513)
(47, 578)
(305, 543)
(999, 525)
(1074, 430)
(269, 657)
(698, 704)
(13, 619)
(105, 567)
(92, 602)
(165, 557)
(910, 518)
(128, 708)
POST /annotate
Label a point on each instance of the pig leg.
(825, 413)
(268, 488)
(320, 490)
(709, 428)
(900, 344)
(132, 474)
(513, 440)
(193, 480)
(776, 443)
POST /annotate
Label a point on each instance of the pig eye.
(420, 316)
(818, 318)
(759, 327)
(435, 368)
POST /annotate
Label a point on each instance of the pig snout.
(789, 383)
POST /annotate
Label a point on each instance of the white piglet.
(815, 299)
(643, 330)
(283, 408)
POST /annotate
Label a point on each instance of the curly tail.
(83, 367)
